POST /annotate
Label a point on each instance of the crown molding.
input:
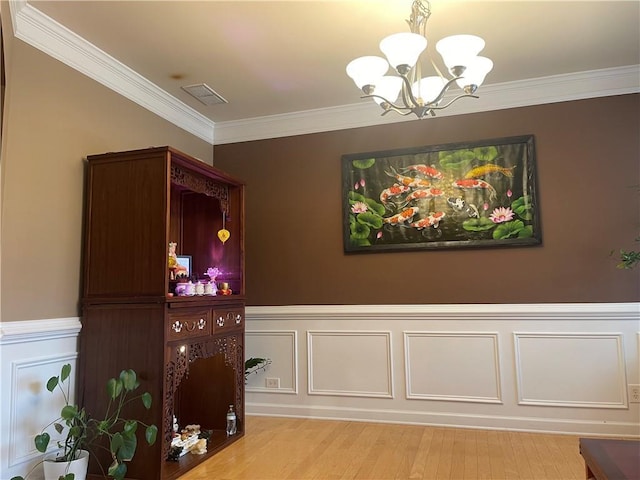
(54, 39)
(57, 41)
(537, 91)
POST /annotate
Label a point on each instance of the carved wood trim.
(201, 184)
(178, 366)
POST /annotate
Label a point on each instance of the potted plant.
(254, 365)
(81, 432)
(629, 258)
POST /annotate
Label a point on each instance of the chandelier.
(417, 95)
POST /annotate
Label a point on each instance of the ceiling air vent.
(204, 94)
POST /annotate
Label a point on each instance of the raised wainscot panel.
(572, 369)
(33, 410)
(281, 347)
(350, 363)
(452, 366)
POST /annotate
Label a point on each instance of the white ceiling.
(270, 58)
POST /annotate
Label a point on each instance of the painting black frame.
(453, 211)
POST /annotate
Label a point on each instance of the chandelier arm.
(457, 98)
(442, 93)
(390, 106)
(407, 94)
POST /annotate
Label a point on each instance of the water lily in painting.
(501, 214)
(359, 207)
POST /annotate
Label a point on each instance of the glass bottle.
(231, 421)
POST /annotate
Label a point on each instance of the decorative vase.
(54, 470)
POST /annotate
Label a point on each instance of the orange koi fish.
(483, 170)
(426, 170)
(432, 220)
(402, 217)
(469, 183)
(392, 191)
(424, 193)
(411, 182)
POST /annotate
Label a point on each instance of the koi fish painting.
(471, 194)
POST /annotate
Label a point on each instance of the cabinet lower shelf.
(174, 469)
(219, 440)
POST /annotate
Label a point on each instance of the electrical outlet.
(275, 383)
(634, 393)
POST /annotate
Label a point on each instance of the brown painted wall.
(53, 118)
(588, 162)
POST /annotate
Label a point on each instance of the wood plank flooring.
(301, 449)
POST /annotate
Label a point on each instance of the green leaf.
(117, 470)
(42, 442)
(485, 154)
(130, 427)
(68, 412)
(375, 206)
(116, 442)
(129, 380)
(456, 159)
(523, 208)
(526, 232)
(363, 164)
(150, 434)
(17, 478)
(146, 400)
(359, 231)
(370, 219)
(75, 431)
(66, 371)
(508, 230)
(128, 448)
(52, 383)
(252, 362)
(355, 197)
(478, 224)
(114, 388)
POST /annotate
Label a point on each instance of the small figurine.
(224, 289)
(200, 447)
(175, 425)
(173, 258)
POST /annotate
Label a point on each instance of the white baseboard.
(458, 420)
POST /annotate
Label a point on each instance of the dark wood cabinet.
(188, 351)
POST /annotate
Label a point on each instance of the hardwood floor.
(292, 448)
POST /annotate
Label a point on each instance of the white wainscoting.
(369, 371)
(472, 358)
(533, 367)
(31, 352)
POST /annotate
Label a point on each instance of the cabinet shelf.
(217, 442)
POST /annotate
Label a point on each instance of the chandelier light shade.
(367, 70)
(458, 50)
(403, 51)
(387, 87)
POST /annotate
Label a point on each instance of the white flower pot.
(54, 470)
